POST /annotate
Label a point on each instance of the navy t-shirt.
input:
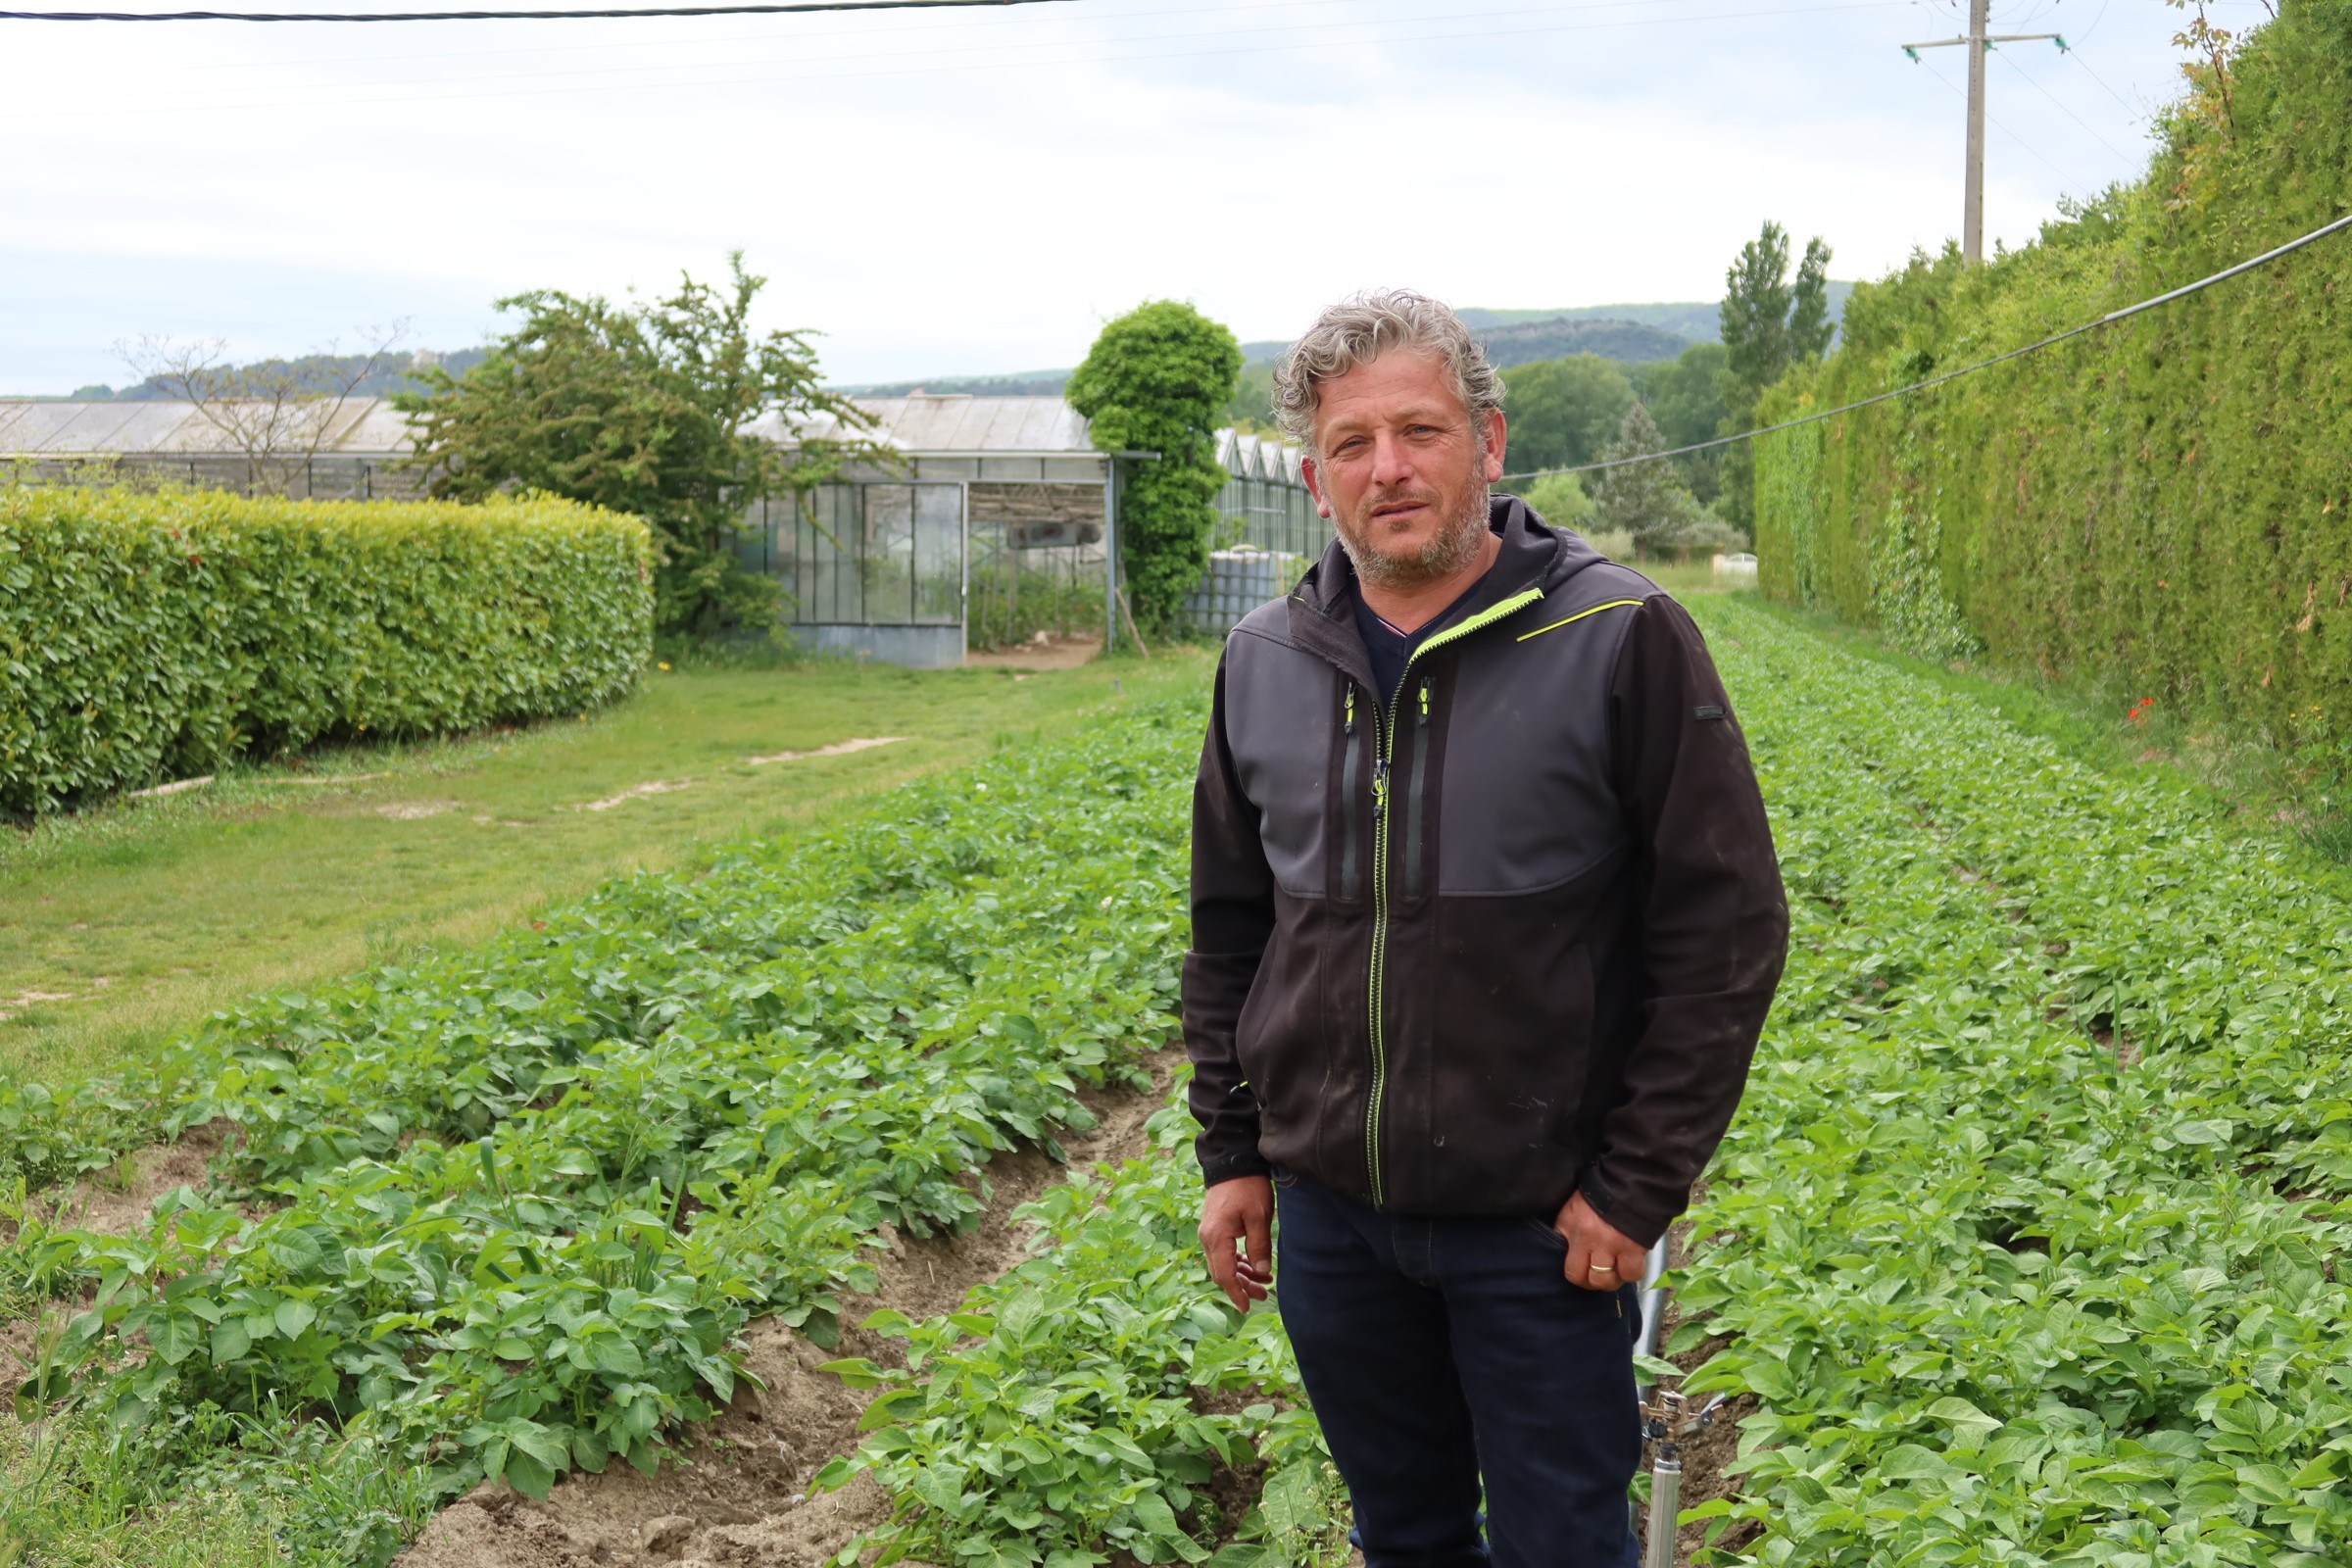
(1391, 650)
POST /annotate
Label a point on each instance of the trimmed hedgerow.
(2163, 504)
(153, 635)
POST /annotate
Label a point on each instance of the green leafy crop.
(2029, 1234)
(516, 1206)
(1084, 1404)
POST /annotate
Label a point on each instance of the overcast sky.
(968, 192)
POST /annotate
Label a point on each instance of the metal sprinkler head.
(1666, 1421)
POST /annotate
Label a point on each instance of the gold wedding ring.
(1599, 1268)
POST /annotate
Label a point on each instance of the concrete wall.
(915, 646)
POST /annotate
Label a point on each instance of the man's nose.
(1392, 462)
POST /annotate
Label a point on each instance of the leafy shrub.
(648, 408)
(155, 635)
(2162, 504)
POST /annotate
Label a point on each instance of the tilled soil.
(112, 1206)
(736, 1493)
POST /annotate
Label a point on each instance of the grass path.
(121, 928)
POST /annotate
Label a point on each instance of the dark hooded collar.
(1535, 555)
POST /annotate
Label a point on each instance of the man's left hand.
(1600, 1256)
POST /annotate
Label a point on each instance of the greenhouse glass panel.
(938, 553)
(889, 565)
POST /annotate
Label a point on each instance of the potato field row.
(505, 1213)
(2031, 1233)
(2025, 1241)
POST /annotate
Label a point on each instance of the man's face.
(1403, 474)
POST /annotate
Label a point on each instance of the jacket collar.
(1535, 555)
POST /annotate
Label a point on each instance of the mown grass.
(122, 926)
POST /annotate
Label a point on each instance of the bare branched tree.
(276, 415)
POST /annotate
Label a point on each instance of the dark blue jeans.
(1441, 1353)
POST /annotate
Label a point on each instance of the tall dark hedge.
(152, 636)
(1157, 379)
(2163, 506)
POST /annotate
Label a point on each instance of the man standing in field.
(1486, 920)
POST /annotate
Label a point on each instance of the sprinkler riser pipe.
(1665, 1503)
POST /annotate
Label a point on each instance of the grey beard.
(1443, 556)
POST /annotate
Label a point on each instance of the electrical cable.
(976, 26)
(832, 73)
(2070, 182)
(2035, 82)
(702, 39)
(1324, 30)
(2075, 54)
(777, 8)
(2110, 318)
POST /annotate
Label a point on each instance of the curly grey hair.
(1360, 329)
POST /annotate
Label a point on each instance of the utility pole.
(1977, 43)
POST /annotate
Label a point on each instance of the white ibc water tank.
(1239, 580)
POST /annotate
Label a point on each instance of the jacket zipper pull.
(1422, 720)
(1380, 785)
(1350, 715)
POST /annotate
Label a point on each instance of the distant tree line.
(1583, 409)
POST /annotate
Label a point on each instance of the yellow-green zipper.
(1381, 760)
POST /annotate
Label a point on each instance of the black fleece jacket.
(1507, 938)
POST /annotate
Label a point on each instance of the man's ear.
(1497, 439)
(1314, 485)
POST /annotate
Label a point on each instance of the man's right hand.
(1239, 1213)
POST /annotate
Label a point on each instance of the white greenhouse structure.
(994, 521)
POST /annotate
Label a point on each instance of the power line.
(2071, 184)
(2036, 85)
(831, 74)
(1324, 30)
(794, 6)
(700, 39)
(2111, 317)
(2075, 54)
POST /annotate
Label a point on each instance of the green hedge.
(2164, 506)
(153, 635)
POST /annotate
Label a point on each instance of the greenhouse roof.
(956, 425)
(926, 424)
(1258, 457)
(42, 429)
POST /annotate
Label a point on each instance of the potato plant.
(517, 1207)
(1081, 1406)
(2027, 1239)
(2030, 1233)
